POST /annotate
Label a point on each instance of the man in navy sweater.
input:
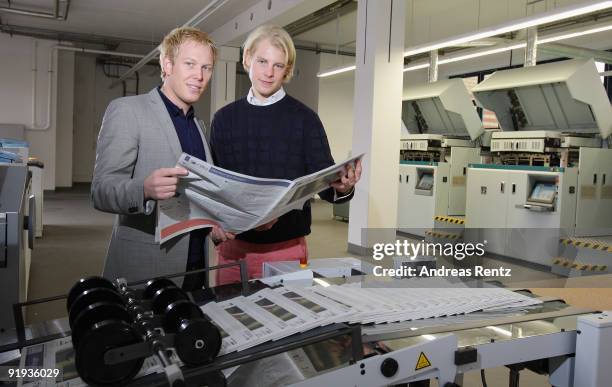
(271, 134)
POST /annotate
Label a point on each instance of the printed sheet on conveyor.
(211, 196)
(272, 314)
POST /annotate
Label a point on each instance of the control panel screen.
(543, 192)
(425, 182)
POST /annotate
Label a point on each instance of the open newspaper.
(212, 196)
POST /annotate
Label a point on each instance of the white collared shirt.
(268, 101)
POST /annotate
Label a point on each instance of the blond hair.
(279, 38)
(170, 45)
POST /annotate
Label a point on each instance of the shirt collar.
(267, 101)
(172, 108)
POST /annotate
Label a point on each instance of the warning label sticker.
(423, 362)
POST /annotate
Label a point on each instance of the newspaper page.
(311, 318)
(289, 322)
(329, 311)
(229, 330)
(211, 196)
(241, 329)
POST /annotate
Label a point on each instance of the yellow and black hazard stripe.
(589, 244)
(449, 219)
(578, 265)
(443, 235)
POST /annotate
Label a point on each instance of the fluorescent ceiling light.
(416, 67)
(554, 37)
(562, 36)
(532, 21)
(545, 39)
(337, 70)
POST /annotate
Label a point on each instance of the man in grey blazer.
(138, 146)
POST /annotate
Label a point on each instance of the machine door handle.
(594, 178)
(502, 187)
(603, 179)
(513, 188)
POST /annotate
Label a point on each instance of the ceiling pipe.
(55, 15)
(432, 71)
(24, 12)
(66, 36)
(194, 21)
(575, 52)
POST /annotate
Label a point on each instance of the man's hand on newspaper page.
(218, 235)
(161, 183)
(348, 178)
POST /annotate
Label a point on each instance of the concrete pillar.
(377, 119)
(223, 82)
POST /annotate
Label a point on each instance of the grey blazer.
(136, 138)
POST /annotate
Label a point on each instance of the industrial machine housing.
(443, 125)
(550, 175)
(17, 219)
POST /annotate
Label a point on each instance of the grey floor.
(74, 245)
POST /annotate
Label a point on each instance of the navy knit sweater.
(285, 140)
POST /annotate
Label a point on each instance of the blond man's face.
(188, 75)
(267, 69)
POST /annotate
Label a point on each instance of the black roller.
(94, 314)
(85, 284)
(197, 341)
(154, 285)
(100, 338)
(178, 311)
(166, 296)
(90, 297)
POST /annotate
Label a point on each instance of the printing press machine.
(550, 176)
(17, 228)
(570, 344)
(444, 127)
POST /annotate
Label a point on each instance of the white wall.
(23, 57)
(336, 105)
(304, 85)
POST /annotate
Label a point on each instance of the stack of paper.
(272, 314)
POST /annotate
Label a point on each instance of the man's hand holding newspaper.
(210, 196)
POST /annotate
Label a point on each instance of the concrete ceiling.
(340, 31)
(149, 20)
(146, 20)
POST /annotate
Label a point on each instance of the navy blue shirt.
(191, 143)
